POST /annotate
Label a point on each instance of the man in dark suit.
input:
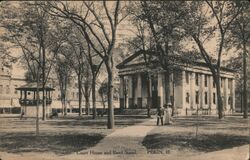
(160, 115)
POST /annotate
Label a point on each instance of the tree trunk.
(43, 80)
(110, 124)
(245, 103)
(103, 103)
(165, 59)
(87, 104)
(65, 107)
(37, 103)
(80, 93)
(167, 87)
(218, 91)
(62, 101)
(94, 97)
(44, 104)
(65, 95)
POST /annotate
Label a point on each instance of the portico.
(191, 86)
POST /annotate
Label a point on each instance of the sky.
(125, 31)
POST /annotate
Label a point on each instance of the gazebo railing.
(33, 102)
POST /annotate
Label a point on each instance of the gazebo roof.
(33, 87)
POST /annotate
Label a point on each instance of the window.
(222, 82)
(187, 77)
(205, 97)
(73, 94)
(213, 98)
(197, 97)
(15, 91)
(197, 79)
(229, 83)
(1, 89)
(205, 80)
(229, 100)
(187, 97)
(7, 89)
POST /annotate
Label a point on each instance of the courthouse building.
(191, 85)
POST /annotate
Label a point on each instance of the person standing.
(168, 114)
(160, 115)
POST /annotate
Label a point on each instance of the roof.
(173, 60)
(33, 87)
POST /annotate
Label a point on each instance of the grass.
(61, 136)
(213, 134)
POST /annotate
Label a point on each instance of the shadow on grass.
(207, 121)
(57, 143)
(99, 122)
(204, 143)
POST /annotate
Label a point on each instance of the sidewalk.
(126, 139)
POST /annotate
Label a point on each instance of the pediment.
(137, 58)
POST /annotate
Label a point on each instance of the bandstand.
(29, 100)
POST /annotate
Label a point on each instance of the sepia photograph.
(125, 80)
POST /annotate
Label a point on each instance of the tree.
(164, 23)
(74, 56)
(240, 35)
(98, 25)
(63, 71)
(28, 27)
(206, 20)
(103, 93)
(142, 41)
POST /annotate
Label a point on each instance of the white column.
(139, 91)
(183, 81)
(225, 94)
(160, 89)
(130, 90)
(192, 90)
(202, 104)
(121, 95)
(210, 91)
(130, 87)
(233, 94)
(135, 89)
(149, 97)
(139, 86)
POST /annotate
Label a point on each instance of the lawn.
(212, 135)
(61, 136)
